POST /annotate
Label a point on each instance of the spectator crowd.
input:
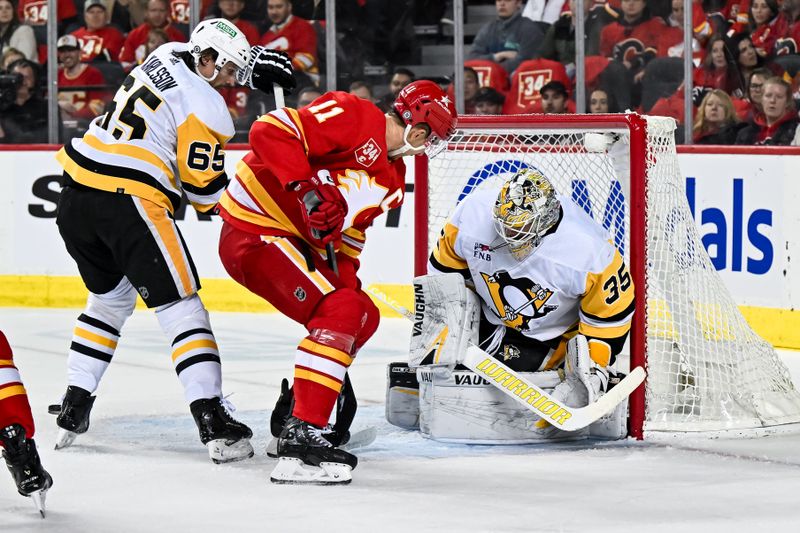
(745, 82)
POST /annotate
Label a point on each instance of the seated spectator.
(789, 42)
(747, 59)
(361, 89)
(400, 78)
(293, 35)
(98, 39)
(307, 95)
(670, 41)
(778, 123)
(510, 39)
(767, 26)
(600, 101)
(490, 74)
(13, 34)
(488, 102)
(9, 56)
(34, 13)
(24, 119)
(559, 41)
(471, 87)
(232, 11)
(718, 71)
(83, 104)
(554, 97)
(133, 51)
(737, 15)
(125, 15)
(755, 92)
(633, 39)
(715, 121)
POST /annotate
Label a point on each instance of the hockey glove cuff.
(323, 208)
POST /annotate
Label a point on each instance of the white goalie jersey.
(576, 277)
(163, 134)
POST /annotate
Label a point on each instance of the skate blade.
(65, 438)
(291, 471)
(221, 452)
(38, 498)
(272, 448)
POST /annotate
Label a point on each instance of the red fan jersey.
(297, 38)
(766, 35)
(339, 135)
(88, 103)
(106, 42)
(179, 10)
(133, 51)
(635, 43)
(235, 99)
(34, 13)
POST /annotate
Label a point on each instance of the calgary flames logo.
(517, 301)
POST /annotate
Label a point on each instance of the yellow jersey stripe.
(246, 215)
(604, 333)
(249, 182)
(318, 279)
(94, 337)
(193, 345)
(14, 390)
(300, 373)
(6, 362)
(327, 351)
(165, 228)
(445, 253)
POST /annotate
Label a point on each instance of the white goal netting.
(707, 369)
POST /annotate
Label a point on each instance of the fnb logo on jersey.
(368, 153)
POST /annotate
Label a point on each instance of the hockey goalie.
(525, 274)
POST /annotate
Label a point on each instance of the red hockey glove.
(323, 208)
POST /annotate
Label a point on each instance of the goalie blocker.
(451, 403)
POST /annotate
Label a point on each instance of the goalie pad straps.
(446, 318)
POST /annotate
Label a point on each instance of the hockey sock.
(194, 349)
(96, 334)
(321, 361)
(14, 406)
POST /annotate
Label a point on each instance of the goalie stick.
(513, 385)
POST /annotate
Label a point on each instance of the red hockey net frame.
(636, 125)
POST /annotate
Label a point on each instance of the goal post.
(707, 370)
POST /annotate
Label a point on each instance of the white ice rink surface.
(141, 467)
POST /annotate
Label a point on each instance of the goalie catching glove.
(265, 68)
(323, 207)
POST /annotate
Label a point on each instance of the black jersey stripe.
(97, 324)
(615, 318)
(115, 171)
(90, 352)
(189, 333)
(213, 187)
(200, 358)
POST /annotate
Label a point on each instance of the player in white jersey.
(163, 135)
(544, 272)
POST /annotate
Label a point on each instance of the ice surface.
(141, 467)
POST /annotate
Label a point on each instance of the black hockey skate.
(306, 456)
(227, 439)
(73, 419)
(23, 462)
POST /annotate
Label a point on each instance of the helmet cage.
(525, 210)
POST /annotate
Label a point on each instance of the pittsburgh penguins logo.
(517, 301)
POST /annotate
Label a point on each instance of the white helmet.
(224, 38)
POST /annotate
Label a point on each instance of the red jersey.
(34, 13)
(133, 51)
(249, 30)
(340, 135)
(789, 42)
(179, 11)
(106, 42)
(766, 35)
(88, 103)
(633, 42)
(235, 99)
(297, 38)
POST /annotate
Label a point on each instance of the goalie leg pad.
(461, 406)
(402, 396)
(446, 320)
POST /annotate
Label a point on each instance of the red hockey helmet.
(424, 101)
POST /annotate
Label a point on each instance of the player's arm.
(201, 161)
(445, 257)
(606, 310)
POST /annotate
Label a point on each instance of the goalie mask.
(525, 210)
(226, 42)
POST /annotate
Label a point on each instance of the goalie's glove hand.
(265, 68)
(323, 208)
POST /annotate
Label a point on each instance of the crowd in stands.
(745, 82)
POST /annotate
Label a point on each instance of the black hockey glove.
(265, 68)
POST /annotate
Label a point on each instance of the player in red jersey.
(157, 17)
(80, 104)
(315, 176)
(292, 35)
(16, 432)
(98, 38)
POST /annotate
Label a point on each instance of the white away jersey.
(576, 276)
(164, 133)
